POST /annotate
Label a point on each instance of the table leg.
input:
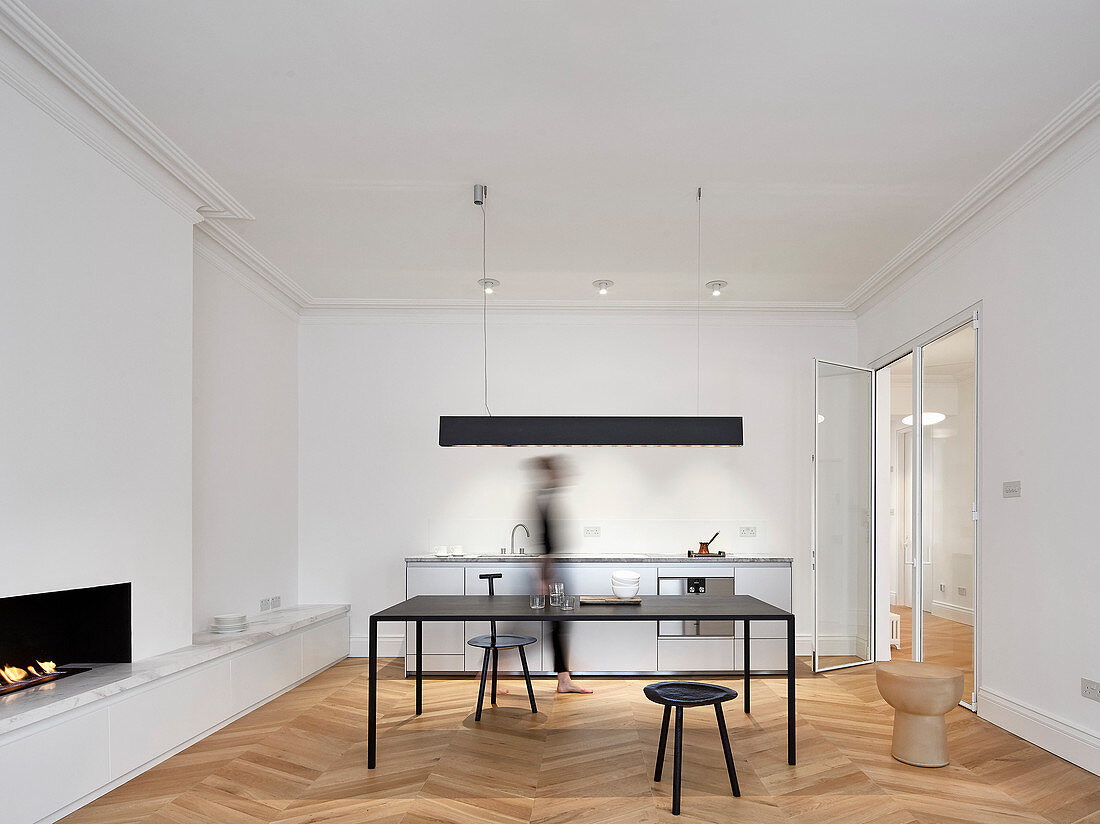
(372, 693)
(419, 667)
(790, 690)
(747, 665)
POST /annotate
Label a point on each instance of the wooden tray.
(719, 554)
(609, 599)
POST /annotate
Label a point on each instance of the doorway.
(932, 509)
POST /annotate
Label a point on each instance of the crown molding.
(246, 258)
(219, 259)
(62, 64)
(1052, 136)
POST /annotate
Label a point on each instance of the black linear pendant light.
(591, 430)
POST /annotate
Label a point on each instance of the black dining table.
(423, 608)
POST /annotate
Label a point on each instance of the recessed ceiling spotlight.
(488, 284)
(716, 287)
(928, 418)
(603, 285)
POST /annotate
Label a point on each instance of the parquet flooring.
(301, 759)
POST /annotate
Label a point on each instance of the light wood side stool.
(921, 695)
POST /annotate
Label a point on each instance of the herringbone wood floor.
(302, 758)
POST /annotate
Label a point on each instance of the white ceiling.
(826, 135)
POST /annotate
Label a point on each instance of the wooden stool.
(921, 695)
(680, 694)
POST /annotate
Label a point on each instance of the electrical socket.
(961, 590)
(276, 601)
(746, 532)
(591, 532)
(1010, 489)
(1090, 689)
(265, 604)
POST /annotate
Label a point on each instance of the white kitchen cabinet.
(442, 639)
(772, 585)
(608, 646)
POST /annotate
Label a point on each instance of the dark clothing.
(544, 502)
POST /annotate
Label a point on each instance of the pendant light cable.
(484, 318)
(698, 295)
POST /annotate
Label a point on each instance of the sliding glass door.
(843, 552)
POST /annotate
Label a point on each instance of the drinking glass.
(569, 601)
(538, 602)
(557, 591)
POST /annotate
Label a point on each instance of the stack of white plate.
(625, 584)
(231, 622)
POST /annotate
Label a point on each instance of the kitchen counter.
(609, 558)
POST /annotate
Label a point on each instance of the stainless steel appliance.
(693, 587)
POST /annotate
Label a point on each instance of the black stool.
(680, 694)
(493, 643)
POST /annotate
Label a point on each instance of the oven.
(694, 587)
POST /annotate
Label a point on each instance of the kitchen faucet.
(517, 526)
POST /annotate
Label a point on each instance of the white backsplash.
(488, 535)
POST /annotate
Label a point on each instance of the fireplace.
(51, 635)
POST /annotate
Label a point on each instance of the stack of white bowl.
(625, 584)
(230, 622)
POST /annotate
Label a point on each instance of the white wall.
(95, 376)
(1034, 268)
(375, 485)
(245, 447)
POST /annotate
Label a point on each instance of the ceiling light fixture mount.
(603, 285)
(488, 284)
(716, 287)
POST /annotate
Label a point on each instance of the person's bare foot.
(566, 684)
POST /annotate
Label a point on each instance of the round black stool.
(680, 694)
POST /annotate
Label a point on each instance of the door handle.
(908, 553)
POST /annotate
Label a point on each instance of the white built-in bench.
(68, 742)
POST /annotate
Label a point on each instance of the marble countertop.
(609, 558)
(19, 709)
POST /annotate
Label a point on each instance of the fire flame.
(14, 675)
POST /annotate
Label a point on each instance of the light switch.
(1010, 489)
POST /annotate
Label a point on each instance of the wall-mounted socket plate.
(276, 601)
(746, 532)
(961, 590)
(591, 532)
(1010, 489)
(265, 604)
(1090, 689)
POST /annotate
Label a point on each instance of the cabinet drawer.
(595, 579)
(609, 646)
(698, 654)
(440, 637)
(720, 655)
(434, 580)
(437, 663)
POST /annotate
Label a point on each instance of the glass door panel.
(843, 549)
(948, 500)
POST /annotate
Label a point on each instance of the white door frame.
(915, 348)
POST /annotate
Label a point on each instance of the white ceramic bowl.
(625, 591)
(626, 575)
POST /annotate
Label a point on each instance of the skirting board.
(1064, 739)
(960, 615)
(393, 646)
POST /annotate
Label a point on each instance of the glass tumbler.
(569, 601)
(538, 602)
(557, 591)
